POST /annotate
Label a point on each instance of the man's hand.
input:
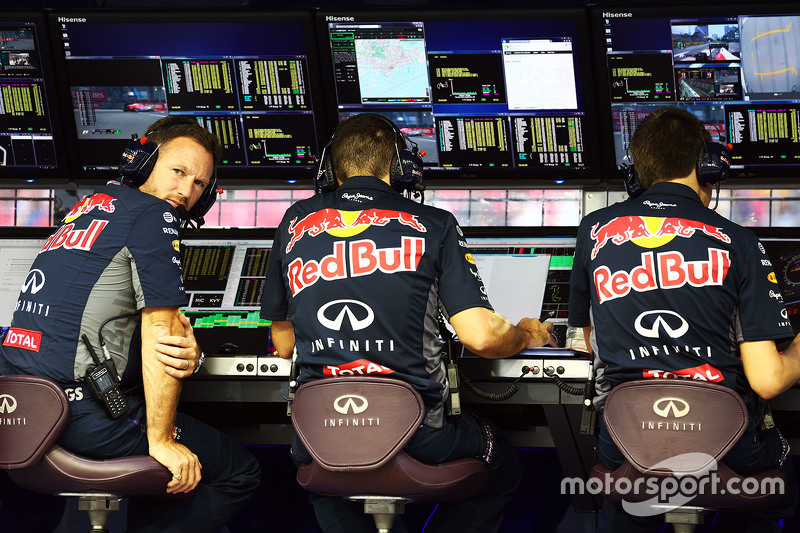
(179, 460)
(540, 334)
(179, 354)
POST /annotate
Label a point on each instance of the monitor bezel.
(25, 176)
(761, 176)
(546, 177)
(239, 177)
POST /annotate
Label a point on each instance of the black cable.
(492, 396)
(100, 329)
(569, 389)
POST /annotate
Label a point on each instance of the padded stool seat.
(669, 429)
(29, 452)
(355, 429)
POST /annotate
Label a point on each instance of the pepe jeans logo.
(663, 407)
(350, 404)
(8, 404)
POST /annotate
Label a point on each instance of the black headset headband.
(405, 169)
(712, 167)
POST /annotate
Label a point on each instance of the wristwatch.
(199, 362)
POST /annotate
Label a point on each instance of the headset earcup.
(632, 184)
(137, 162)
(713, 165)
(405, 172)
(204, 203)
(324, 179)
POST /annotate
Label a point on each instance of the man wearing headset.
(667, 288)
(355, 282)
(109, 281)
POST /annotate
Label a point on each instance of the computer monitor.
(30, 136)
(224, 273)
(492, 94)
(538, 262)
(250, 78)
(730, 65)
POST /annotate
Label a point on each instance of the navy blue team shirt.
(116, 252)
(670, 288)
(361, 273)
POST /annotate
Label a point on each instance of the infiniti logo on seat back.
(358, 314)
(8, 404)
(350, 403)
(663, 407)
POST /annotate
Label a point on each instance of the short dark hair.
(667, 145)
(172, 127)
(364, 145)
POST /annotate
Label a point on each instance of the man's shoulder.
(132, 200)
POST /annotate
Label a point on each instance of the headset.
(405, 170)
(139, 158)
(713, 166)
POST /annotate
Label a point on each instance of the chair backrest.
(33, 413)
(668, 426)
(356, 423)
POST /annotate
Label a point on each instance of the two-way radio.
(103, 381)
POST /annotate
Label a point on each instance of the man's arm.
(161, 392)
(769, 371)
(490, 335)
(179, 353)
(283, 337)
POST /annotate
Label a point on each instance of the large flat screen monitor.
(250, 78)
(733, 66)
(495, 94)
(30, 137)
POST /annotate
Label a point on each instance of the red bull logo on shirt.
(649, 232)
(69, 238)
(347, 223)
(665, 270)
(354, 259)
(100, 201)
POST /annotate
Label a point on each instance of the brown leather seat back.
(356, 423)
(33, 413)
(669, 426)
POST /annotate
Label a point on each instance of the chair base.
(684, 520)
(383, 509)
(99, 507)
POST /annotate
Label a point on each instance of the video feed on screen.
(734, 69)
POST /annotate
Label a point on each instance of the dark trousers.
(466, 436)
(755, 452)
(230, 474)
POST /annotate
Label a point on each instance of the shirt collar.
(672, 189)
(361, 183)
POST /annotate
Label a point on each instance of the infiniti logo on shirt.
(332, 315)
(34, 282)
(669, 322)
